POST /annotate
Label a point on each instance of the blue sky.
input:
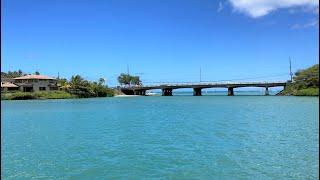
(165, 40)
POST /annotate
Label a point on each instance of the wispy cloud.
(259, 8)
(220, 7)
(312, 23)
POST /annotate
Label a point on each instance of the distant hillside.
(305, 83)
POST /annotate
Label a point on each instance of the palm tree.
(102, 81)
(76, 81)
(20, 72)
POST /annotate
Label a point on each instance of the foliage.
(84, 89)
(53, 95)
(101, 91)
(308, 92)
(80, 87)
(307, 78)
(62, 82)
(37, 73)
(17, 96)
(102, 81)
(36, 95)
(77, 87)
(12, 74)
(126, 79)
(306, 83)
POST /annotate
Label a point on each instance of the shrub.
(22, 96)
(53, 95)
(307, 92)
(36, 95)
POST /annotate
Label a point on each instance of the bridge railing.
(210, 83)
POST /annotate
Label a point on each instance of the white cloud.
(258, 8)
(312, 23)
(220, 7)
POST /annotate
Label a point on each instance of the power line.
(276, 75)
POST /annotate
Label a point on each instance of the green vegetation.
(308, 92)
(84, 89)
(305, 83)
(126, 79)
(12, 74)
(36, 95)
(76, 87)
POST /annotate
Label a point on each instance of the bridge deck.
(208, 85)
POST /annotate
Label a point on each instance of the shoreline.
(65, 95)
(123, 95)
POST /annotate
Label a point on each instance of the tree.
(135, 80)
(12, 74)
(101, 81)
(307, 78)
(80, 87)
(76, 81)
(126, 79)
(20, 72)
(37, 73)
(63, 82)
(305, 83)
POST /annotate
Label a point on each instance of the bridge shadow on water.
(236, 93)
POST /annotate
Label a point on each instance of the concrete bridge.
(197, 87)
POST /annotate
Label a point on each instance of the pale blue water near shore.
(178, 137)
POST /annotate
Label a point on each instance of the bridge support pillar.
(197, 91)
(230, 91)
(140, 92)
(266, 92)
(166, 92)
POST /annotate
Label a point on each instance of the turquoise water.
(178, 137)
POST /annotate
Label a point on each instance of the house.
(8, 86)
(5, 79)
(31, 83)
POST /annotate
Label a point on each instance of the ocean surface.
(178, 137)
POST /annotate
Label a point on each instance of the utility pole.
(128, 74)
(290, 69)
(200, 74)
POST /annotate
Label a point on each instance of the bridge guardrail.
(205, 83)
(179, 84)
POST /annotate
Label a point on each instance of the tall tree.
(102, 81)
(126, 79)
(76, 81)
(20, 72)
